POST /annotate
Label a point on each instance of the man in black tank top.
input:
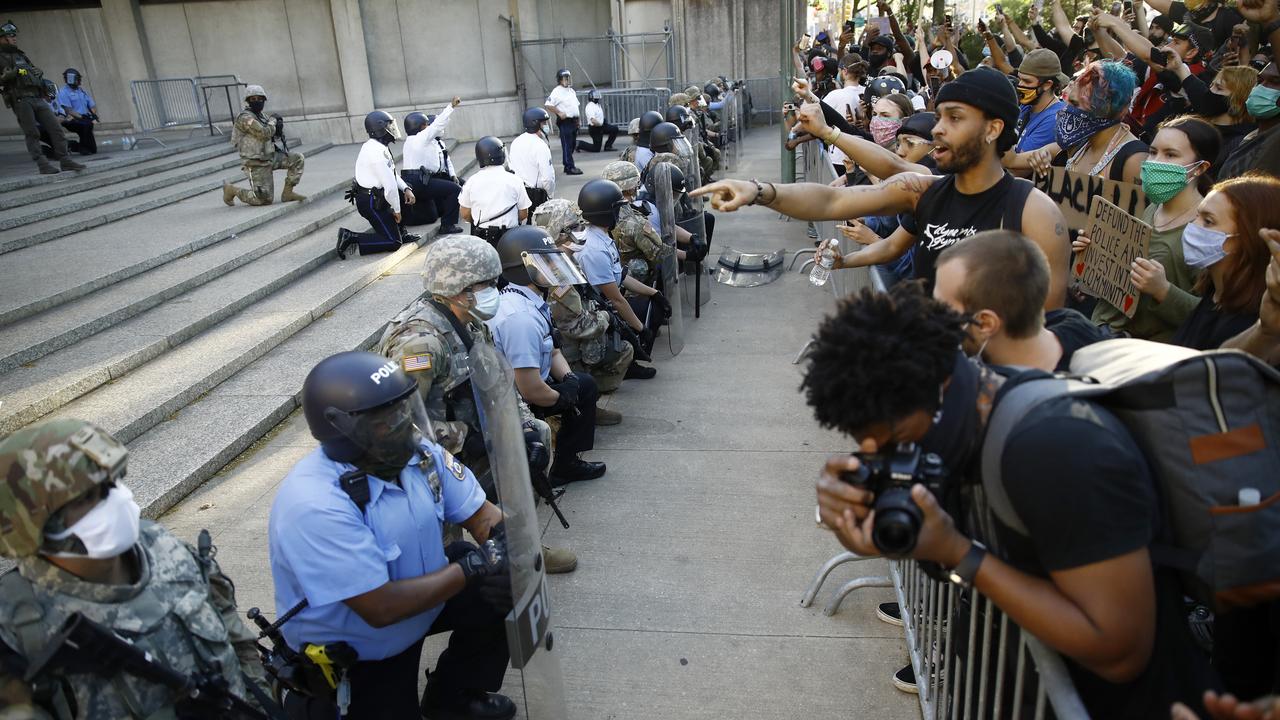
(977, 114)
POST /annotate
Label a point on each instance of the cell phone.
(947, 18)
(935, 83)
(999, 10)
(806, 41)
(1159, 57)
(1128, 5)
(982, 26)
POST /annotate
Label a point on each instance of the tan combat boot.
(605, 416)
(290, 196)
(559, 560)
(228, 193)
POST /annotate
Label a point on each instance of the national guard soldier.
(494, 199)
(428, 170)
(357, 554)
(21, 84)
(87, 562)
(563, 103)
(530, 159)
(376, 192)
(642, 154)
(430, 339)
(633, 131)
(262, 151)
(525, 334)
(640, 246)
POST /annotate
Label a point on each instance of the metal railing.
(214, 89)
(166, 104)
(622, 105)
(633, 60)
(763, 98)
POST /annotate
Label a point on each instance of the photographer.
(886, 369)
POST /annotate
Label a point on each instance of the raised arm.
(1061, 23)
(1106, 43)
(998, 59)
(1163, 6)
(876, 160)
(1132, 41)
(811, 201)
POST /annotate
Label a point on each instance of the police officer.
(80, 110)
(430, 339)
(638, 230)
(563, 103)
(601, 201)
(648, 121)
(74, 529)
(355, 532)
(376, 191)
(23, 90)
(531, 159)
(255, 137)
(428, 170)
(597, 125)
(523, 331)
(494, 199)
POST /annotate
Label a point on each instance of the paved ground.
(695, 547)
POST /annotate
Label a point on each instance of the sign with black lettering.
(1074, 193)
(1116, 239)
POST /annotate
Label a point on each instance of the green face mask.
(1261, 103)
(1161, 181)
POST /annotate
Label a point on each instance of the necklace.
(1113, 147)
(1172, 223)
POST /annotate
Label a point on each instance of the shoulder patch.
(455, 466)
(416, 363)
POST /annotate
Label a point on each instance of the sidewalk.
(695, 548)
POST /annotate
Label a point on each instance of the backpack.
(1208, 425)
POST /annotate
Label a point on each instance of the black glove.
(663, 304)
(495, 590)
(473, 446)
(568, 389)
(350, 194)
(697, 250)
(486, 560)
(646, 340)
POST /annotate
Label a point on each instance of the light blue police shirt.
(599, 258)
(323, 549)
(74, 99)
(522, 329)
(643, 156)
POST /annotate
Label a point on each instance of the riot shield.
(669, 271)
(691, 215)
(535, 652)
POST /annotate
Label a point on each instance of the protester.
(1040, 80)
(1259, 149)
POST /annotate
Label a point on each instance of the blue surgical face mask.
(1202, 247)
(486, 303)
(1261, 103)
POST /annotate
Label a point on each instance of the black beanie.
(991, 92)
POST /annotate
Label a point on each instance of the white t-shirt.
(530, 159)
(595, 114)
(490, 192)
(564, 99)
(844, 101)
(375, 168)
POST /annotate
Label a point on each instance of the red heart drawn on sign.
(1080, 268)
(1128, 302)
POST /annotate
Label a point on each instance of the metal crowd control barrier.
(622, 105)
(764, 96)
(214, 88)
(165, 104)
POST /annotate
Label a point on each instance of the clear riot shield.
(731, 126)
(691, 215)
(669, 271)
(535, 652)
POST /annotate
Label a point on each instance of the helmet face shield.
(393, 129)
(553, 269)
(389, 433)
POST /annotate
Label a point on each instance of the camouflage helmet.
(43, 468)
(634, 127)
(679, 99)
(559, 214)
(254, 90)
(456, 262)
(693, 91)
(624, 174)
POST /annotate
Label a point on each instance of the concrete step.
(37, 278)
(123, 159)
(90, 181)
(56, 224)
(34, 337)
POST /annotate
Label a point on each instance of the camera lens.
(897, 524)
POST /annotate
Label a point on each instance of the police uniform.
(598, 126)
(495, 197)
(22, 87)
(377, 198)
(565, 99)
(530, 160)
(430, 173)
(253, 135)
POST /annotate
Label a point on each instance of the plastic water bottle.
(821, 272)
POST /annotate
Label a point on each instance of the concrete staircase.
(132, 297)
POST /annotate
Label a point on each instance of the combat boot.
(289, 195)
(559, 560)
(344, 241)
(228, 193)
(68, 164)
(46, 167)
(605, 416)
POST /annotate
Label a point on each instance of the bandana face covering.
(884, 130)
(1075, 126)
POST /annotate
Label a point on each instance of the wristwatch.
(964, 573)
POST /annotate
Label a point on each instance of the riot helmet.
(623, 174)
(414, 123)
(680, 116)
(712, 91)
(364, 409)
(593, 96)
(9, 29)
(72, 77)
(45, 467)
(648, 121)
(562, 74)
(677, 179)
(533, 119)
(381, 127)
(490, 151)
(456, 262)
(599, 201)
(662, 138)
(529, 256)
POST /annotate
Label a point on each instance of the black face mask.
(1214, 104)
(1203, 13)
(391, 454)
(954, 437)
(257, 105)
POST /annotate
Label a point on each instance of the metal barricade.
(622, 105)
(763, 97)
(632, 60)
(219, 93)
(165, 104)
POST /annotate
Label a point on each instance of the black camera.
(890, 476)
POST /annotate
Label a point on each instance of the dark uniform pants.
(578, 425)
(437, 197)
(568, 140)
(34, 113)
(385, 234)
(537, 196)
(597, 133)
(83, 127)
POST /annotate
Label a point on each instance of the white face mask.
(579, 236)
(486, 303)
(107, 530)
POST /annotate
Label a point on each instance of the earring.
(937, 416)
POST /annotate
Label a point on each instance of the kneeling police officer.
(356, 550)
(494, 199)
(376, 192)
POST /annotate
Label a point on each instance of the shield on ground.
(661, 187)
(747, 269)
(535, 652)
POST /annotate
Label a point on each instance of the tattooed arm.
(810, 201)
(1043, 222)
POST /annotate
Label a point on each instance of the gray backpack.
(1209, 426)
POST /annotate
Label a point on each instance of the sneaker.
(559, 560)
(47, 168)
(890, 612)
(905, 680)
(604, 416)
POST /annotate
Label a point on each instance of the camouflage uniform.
(252, 135)
(708, 154)
(181, 610)
(640, 247)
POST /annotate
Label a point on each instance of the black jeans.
(597, 133)
(578, 424)
(568, 140)
(82, 127)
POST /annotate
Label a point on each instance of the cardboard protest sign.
(1103, 268)
(1074, 192)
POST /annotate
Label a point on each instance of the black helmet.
(72, 76)
(886, 85)
(533, 119)
(677, 180)
(648, 122)
(663, 137)
(342, 387)
(599, 201)
(490, 151)
(593, 96)
(680, 116)
(8, 29)
(513, 245)
(380, 125)
(415, 122)
(562, 74)
(712, 90)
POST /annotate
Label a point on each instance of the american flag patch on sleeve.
(415, 363)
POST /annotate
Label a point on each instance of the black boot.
(639, 372)
(574, 470)
(344, 241)
(473, 706)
